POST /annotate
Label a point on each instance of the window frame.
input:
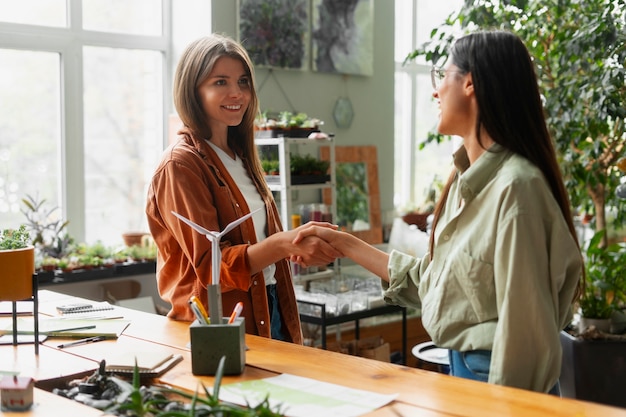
(407, 180)
(68, 42)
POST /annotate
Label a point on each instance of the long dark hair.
(510, 109)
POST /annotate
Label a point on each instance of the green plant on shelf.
(308, 165)
(270, 167)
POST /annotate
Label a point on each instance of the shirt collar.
(476, 176)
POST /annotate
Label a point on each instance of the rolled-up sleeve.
(404, 277)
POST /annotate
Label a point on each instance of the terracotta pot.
(133, 238)
(418, 219)
(16, 274)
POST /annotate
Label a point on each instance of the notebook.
(150, 364)
(74, 308)
(68, 327)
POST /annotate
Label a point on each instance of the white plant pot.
(603, 325)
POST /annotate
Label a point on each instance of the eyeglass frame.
(437, 74)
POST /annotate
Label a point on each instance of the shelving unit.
(283, 184)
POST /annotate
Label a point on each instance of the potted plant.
(117, 397)
(270, 166)
(17, 257)
(285, 123)
(579, 51)
(605, 283)
(306, 169)
(49, 235)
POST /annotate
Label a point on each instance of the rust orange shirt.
(192, 181)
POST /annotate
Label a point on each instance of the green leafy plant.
(49, 235)
(287, 120)
(352, 194)
(307, 165)
(15, 239)
(579, 48)
(161, 401)
(605, 289)
(270, 167)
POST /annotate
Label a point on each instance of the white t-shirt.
(253, 199)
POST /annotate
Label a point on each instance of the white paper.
(296, 396)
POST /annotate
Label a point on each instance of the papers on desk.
(22, 308)
(70, 327)
(296, 396)
(22, 339)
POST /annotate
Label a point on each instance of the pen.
(200, 307)
(82, 342)
(236, 312)
(195, 307)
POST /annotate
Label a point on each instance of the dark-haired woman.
(504, 264)
(212, 175)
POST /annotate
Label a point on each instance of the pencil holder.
(210, 342)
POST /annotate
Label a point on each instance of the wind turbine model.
(214, 290)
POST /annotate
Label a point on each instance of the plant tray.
(299, 179)
(287, 133)
(309, 179)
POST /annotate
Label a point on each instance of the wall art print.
(275, 33)
(343, 36)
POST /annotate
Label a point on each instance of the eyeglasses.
(437, 75)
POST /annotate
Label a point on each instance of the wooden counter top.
(419, 392)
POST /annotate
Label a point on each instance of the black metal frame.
(35, 299)
(355, 316)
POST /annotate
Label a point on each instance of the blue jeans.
(276, 323)
(475, 365)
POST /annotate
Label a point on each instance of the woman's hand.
(308, 248)
(348, 245)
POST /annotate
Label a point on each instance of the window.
(415, 109)
(82, 107)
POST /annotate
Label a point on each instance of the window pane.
(434, 159)
(123, 138)
(403, 29)
(29, 131)
(35, 12)
(138, 17)
(403, 156)
(431, 15)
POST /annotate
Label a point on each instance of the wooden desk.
(419, 392)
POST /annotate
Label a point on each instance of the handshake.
(319, 243)
(315, 243)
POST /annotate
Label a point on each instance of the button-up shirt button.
(446, 237)
(262, 322)
(254, 282)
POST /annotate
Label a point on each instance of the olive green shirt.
(504, 270)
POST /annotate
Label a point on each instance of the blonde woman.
(212, 175)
